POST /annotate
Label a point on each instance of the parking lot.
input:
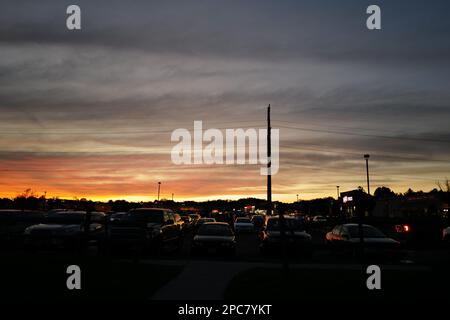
(247, 250)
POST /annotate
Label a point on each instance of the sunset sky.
(90, 113)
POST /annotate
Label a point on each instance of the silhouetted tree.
(383, 193)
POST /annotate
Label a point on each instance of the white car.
(242, 224)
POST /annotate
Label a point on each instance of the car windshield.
(215, 230)
(243, 220)
(368, 231)
(146, 216)
(291, 224)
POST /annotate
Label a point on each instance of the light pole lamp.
(367, 156)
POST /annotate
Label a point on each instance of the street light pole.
(367, 156)
(297, 197)
(338, 194)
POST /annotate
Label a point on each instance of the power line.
(120, 132)
(365, 134)
(358, 154)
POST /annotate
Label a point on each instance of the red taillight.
(400, 228)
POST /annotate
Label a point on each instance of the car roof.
(18, 211)
(149, 209)
(216, 223)
(355, 225)
(285, 217)
(67, 212)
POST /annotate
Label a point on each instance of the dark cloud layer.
(136, 71)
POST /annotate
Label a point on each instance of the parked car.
(202, 221)
(187, 221)
(243, 224)
(114, 216)
(297, 240)
(195, 217)
(319, 220)
(13, 224)
(152, 229)
(214, 236)
(258, 222)
(66, 230)
(346, 237)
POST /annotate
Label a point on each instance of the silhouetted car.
(146, 228)
(65, 229)
(243, 224)
(446, 235)
(297, 240)
(195, 217)
(258, 222)
(114, 216)
(202, 221)
(214, 236)
(13, 224)
(347, 237)
(319, 219)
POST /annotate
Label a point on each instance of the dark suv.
(146, 228)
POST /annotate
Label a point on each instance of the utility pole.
(172, 197)
(45, 200)
(297, 197)
(269, 165)
(367, 156)
(338, 194)
(159, 189)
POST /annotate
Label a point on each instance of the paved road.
(208, 280)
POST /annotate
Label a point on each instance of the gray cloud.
(137, 71)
